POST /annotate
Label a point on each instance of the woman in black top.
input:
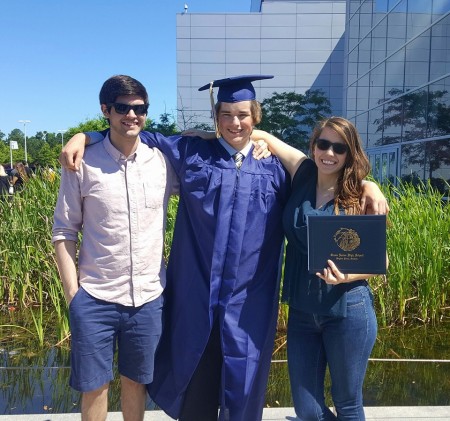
(331, 322)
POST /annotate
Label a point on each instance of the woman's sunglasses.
(324, 145)
(125, 108)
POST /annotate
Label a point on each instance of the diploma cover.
(355, 243)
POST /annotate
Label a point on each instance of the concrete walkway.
(396, 413)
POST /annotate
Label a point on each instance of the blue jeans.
(344, 344)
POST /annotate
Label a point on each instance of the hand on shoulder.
(72, 154)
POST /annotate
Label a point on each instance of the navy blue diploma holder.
(355, 243)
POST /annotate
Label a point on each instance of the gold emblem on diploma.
(347, 239)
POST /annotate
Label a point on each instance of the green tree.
(4, 153)
(46, 156)
(34, 144)
(165, 126)
(54, 139)
(18, 154)
(97, 124)
(291, 116)
(17, 135)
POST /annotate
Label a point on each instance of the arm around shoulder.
(373, 201)
(290, 157)
(72, 154)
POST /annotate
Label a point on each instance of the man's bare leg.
(133, 398)
(94, 404)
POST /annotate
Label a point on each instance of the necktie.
(238, 158)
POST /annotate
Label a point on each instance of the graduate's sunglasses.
(324, 145)
(140, 109)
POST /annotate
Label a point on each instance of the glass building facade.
(384, 64)
(397, 60)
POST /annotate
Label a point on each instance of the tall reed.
(170, 224)
(28, 273)
(418, 278)
(418, 242)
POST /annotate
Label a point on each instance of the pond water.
(409, 366)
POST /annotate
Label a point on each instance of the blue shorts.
(97, 327)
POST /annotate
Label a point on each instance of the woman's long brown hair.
(349, 184)
(21, 169)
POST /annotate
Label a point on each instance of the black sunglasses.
(339, 148)
(125, 108)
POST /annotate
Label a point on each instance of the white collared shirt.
(232, 151)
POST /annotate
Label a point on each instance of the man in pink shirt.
(118, 201)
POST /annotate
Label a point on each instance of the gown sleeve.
(96, 137)
(173, 147)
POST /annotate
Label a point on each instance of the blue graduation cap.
(233, 89)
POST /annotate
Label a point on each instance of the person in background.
(19, 177)
(4, 184)
(48, 174)
(331, 320)
(28, 170)
(118, 201)
(223, 274)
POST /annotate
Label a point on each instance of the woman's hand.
(204, 134)
(72, 153)
(333, 276)
(260, 149)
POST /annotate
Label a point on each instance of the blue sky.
(55, 55)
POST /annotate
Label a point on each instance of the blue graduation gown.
(225, 263)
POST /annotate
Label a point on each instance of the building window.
(427, 161)
(439, 108)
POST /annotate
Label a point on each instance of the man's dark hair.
(120, 85)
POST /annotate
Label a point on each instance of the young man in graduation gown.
(222, 296)
(222, 292)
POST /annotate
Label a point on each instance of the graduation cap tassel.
(213, 109)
